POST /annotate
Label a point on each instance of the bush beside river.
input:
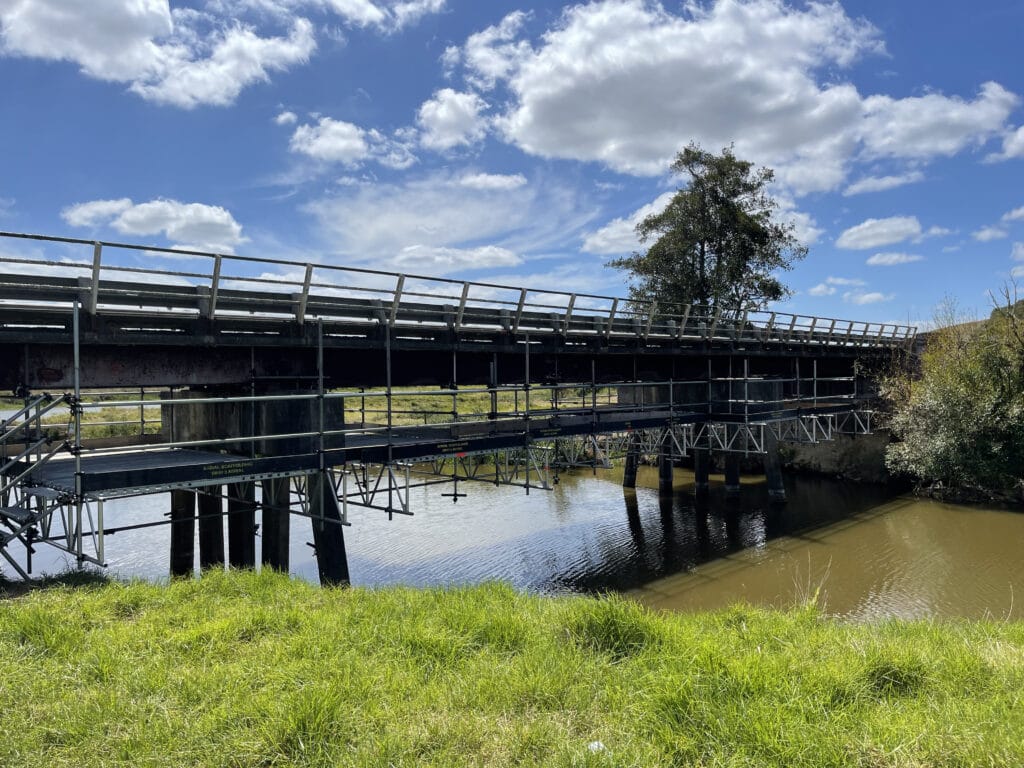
(257, 669)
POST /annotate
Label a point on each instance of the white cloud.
(930, 125)
(859, 298)
(619, 235)
(626, 82)
(1017, 214)
(988, 234)
(94, 212)
(822, 289)
(873, 233)
(936, 232)
(181, 57)
(493, 181)
(828, 288)
(492, 54)
(1018, 252)
(443, 261)
(286, 118)
(882, 183)
(390, 16)
(451, 119)
(377, 223)
(237, 58)
(204, 227)
(1017, 271)
(892, 259)
(1013, 146)
(333, 141)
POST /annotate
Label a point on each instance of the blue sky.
(517, 142)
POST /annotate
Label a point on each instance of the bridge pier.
(732, 472)
(773, 467)
(276, 498)
(211, 527)
(328, 533)
(632, 461)
(701, 470)
(242, 525)
(183, 532)
(665, 465)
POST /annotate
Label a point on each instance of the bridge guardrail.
(243, 291)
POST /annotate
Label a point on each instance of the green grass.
(259, 670)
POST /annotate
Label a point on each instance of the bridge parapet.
(223, 296)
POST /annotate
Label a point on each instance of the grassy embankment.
(258, 670)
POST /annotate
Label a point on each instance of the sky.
(519, 142)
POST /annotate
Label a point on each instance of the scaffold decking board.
(148, 469)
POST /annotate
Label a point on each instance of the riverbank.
(258, 669)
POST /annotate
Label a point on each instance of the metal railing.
(243, 289)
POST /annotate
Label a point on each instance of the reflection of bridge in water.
(327, 387)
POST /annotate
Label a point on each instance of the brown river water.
(865, 553)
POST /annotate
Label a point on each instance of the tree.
(959, 426)
(717, 244)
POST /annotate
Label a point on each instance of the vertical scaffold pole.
(78, 429)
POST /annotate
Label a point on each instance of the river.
(866, 554)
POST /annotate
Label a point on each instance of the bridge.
(241, 384)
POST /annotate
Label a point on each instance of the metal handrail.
(4, 437)
(657, 320)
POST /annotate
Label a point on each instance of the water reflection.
(868, 554)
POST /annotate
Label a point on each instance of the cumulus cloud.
(882, 183)
(828, 288)
(1013, 146)
(1017, 214)
(988, 234)
(626, 82)
(444, 261)
(183, 57)
(95, 212)
(337, 141)
(204, 227)
(452, 119)
(286, 118)
(873, 233)
(619, 235)
(493, 181)
(874, 297)
(892, 259)
(1018, 252)
(934, 124)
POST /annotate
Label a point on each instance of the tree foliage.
(717, 244)
(960, 425)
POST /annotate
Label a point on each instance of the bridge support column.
(328, 533)
(211, 527)
(773, 467)
(732, 472)
(183, 532)
(701, 470)
(632, 460)
(665, 465)
(242, 525)
(276, 501)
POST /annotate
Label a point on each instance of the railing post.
(519, 310)
(398, 298)
(94, 290)
(300, 310)
(611, 318)
(215, 286)
(683, 322)
(568, 314)
(462, 306)
(650, 319)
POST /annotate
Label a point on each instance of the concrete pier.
(632, 461)
(773, 467)
(665, 465)
(732, 472)
(701, 470)
(242, 525)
